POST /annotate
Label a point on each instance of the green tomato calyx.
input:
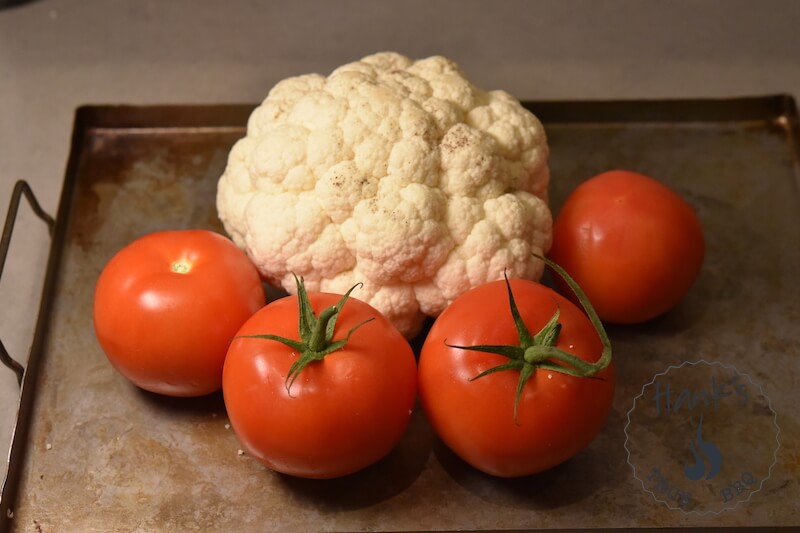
(539, 351)
(316, 332)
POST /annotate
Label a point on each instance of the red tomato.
(341, 413)
(557, 415)
(631, 243)
(167, 305)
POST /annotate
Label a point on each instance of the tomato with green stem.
(319, 385)
(516, 379)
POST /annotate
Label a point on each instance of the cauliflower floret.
(395, 173)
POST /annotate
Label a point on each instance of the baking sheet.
(93, 453)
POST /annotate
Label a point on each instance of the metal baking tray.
(93, 453)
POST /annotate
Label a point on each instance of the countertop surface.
(56, 55)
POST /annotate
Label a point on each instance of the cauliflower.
(396, 173)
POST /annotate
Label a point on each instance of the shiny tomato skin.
(167, 305)
(633, 245)
(558, 415)
(341, 414)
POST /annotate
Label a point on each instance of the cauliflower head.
(398, 174)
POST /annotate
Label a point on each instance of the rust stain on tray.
(155, 177)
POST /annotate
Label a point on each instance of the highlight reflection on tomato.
(167, 305)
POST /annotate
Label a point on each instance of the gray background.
(56, 55)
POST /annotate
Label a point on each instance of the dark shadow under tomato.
(190, 407)
(601, 465)
(387, 478)
(677, 321)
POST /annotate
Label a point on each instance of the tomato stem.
(539, 351)
(605, 357)
(316, 333)
(319, 340)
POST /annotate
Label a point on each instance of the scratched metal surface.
(101, 455)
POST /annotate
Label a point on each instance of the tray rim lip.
(669, 110)
(780, 108)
